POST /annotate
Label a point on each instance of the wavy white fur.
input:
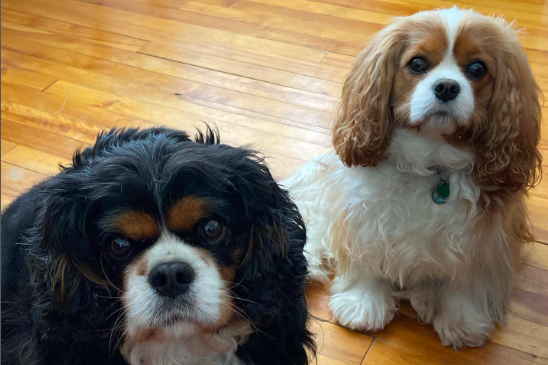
(378, 230)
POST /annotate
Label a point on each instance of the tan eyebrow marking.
(136, 225)
(186, 212)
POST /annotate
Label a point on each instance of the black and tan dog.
(152, 248)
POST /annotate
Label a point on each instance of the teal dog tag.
(440, 193)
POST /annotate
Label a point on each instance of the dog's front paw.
(424, 309)
(423, 301)
(458, 328)
(363, 310)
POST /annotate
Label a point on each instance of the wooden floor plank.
(533, 279)
(280, 17)
(275, 29)
(254, 68)
(24, 22)
(537, 255)
(234, 75)
(528, 310)
(34, 160)
(19, 179)
(91, 106)
(317, 70)
(339, 343)
(155, 29)
(236, 134)
(39, 139)
(523, 335)
(530, 307)
(538, 215)
(107, 75)
(303, 5)
(406, 342)
(403, 8)
(7, 146)
(29, 78)
(76, 121)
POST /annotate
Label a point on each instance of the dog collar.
(441, 191)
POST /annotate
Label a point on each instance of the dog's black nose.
(446, 89)
(171, 279)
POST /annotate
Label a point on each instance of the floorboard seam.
(47, 87)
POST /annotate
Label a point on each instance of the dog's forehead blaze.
(136, 225)
(186, 212)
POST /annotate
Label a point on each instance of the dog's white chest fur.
(199, 349)
(405, 235)
(385, 216)
(379, 232)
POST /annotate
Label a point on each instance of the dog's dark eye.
(476, 70)
(120, 248)
(212, 231)
(418, 65)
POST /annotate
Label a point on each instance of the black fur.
(49, 318)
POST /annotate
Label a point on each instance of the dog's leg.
(362, 303)
(423, 301)
(472, 301)
(424, 298)
(464, 317)
(316, 267)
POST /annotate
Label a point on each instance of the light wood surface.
(268, 73)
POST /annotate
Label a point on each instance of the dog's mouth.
(442, 115)
(172, 319)
(182, 314)
(444, 119)
(173, 312)
(436, 118)
(437, 121)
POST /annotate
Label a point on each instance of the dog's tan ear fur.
(363, 126)
(66, 276)
(506, 142)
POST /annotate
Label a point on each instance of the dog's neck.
(426, 154)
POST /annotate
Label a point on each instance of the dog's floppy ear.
(272, 277)
(63, 235)
(508, 158)
(272, 274)
(362, 131)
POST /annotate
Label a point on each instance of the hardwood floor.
(267, 72)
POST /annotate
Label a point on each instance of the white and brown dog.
(436, 145)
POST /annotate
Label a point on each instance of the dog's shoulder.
(17, 220)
